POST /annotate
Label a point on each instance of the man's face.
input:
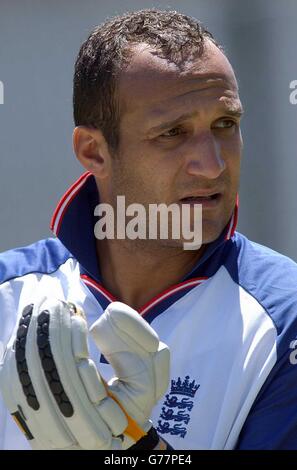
(180, 140)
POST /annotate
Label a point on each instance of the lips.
(200, 198)
(211, 200)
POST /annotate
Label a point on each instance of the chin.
(211, 231)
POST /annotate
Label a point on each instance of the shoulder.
(44, 256)
(265, 256)
(269, 277)
(28, 272)
(264, 271)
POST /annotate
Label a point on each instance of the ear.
(92, 150)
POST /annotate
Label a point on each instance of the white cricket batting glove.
(55, 392)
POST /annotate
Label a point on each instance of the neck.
(135, 275)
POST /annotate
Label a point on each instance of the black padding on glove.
(49, 366)
(20, 355)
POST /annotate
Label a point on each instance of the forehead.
(151, 85)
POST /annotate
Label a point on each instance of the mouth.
(207, 201)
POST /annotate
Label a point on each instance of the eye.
(175, 131)
(224, 124)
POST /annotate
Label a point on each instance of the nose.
(204, 157)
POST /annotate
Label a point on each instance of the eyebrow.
(236, 112)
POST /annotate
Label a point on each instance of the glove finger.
(122, 329)
(109, 411)
(127, 341)
(131, 346)
(162, 370)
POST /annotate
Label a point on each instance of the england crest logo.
(175, 414)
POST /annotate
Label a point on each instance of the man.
(157, 111)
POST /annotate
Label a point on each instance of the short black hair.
(105, 53)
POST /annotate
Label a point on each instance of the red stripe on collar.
(90, 282)
(196, 281)
(65, 201)
(233, 221)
